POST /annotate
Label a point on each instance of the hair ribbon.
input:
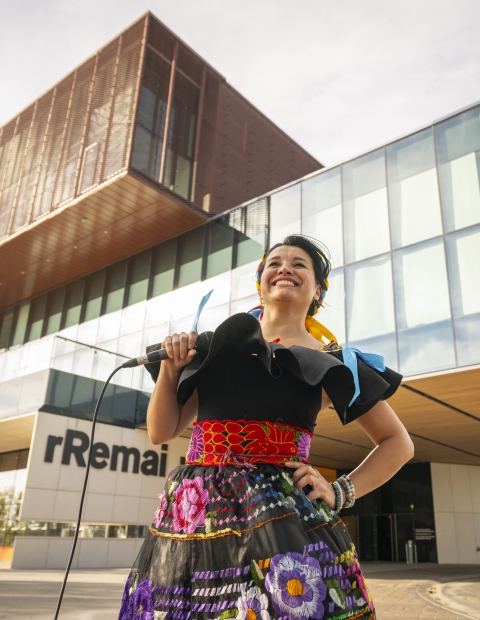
(350, 355)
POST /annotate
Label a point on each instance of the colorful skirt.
(241, 541)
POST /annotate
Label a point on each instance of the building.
(402, 224)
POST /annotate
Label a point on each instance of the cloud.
(339, 77)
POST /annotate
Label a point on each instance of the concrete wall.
(53, 552)
(456, 501)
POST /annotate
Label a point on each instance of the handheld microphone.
(161, 354)
(149, 358)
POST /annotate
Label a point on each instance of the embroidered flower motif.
(196, 448)
(125, 608)
(303, 445)
(253, 605)
(162, 510)
(296, 585)
(189, 509)
(367, 597)
(143, 601)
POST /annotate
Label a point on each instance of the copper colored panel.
(125, 216)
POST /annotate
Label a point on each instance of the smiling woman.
(251, 525)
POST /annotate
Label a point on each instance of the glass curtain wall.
(403, 227)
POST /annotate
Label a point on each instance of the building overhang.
(122, 216)
(440, 411)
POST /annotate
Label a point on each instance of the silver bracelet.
(347, 485)
(337, 489)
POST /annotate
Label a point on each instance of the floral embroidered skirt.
(244, 542)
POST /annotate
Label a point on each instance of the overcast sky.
(339, 76)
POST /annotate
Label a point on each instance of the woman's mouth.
(284, 283)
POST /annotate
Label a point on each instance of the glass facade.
(402, 224)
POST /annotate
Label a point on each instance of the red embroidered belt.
(232, 442)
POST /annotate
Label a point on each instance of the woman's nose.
(285, 268)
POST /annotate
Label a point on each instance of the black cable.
(75, 538)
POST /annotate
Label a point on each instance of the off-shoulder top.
(240, 376)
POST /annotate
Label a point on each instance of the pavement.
(400, 591)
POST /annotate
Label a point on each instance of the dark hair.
(320, 258)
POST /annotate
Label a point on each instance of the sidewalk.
(424, 591)
(400, 591)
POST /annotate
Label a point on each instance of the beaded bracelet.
(338, 496)
(347, 485)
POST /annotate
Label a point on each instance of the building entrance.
(382, 537)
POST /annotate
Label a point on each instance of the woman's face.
(288, 276)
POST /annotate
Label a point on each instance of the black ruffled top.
(240, 376)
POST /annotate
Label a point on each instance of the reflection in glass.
(212, 317)
(243, 283)
(332, 313)
(220, 247)
(54, 310)
(150, 126)
(423, 309)
(458, 151)
(322, 212)
(73, 303)
(243, 305)
(413, 189)
(93, 295)
(37, 314)
(189, 257)
(138, 274)
(6, 327)
(370, 309)
(108, 327)
(366, 208)
(463, 250)
(285, 213)
(251, 225)
(163, 268)
(115, 286)
(133, 318)
(181, 136)
(21, 323)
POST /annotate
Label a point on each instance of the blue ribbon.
(350, 356)
(201, 306)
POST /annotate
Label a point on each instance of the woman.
(247, 528)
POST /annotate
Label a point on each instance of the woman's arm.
(393, 448)
(166, 419)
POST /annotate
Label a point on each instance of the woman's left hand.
(306, 475)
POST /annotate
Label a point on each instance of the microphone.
(161, 354)
(149, 358)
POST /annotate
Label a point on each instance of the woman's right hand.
(180, 349)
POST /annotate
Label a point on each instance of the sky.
(341, 77)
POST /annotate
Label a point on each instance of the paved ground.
(420, 592)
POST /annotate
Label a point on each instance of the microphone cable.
(149, 358)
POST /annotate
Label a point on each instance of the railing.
(78, 358)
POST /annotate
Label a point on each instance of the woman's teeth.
(284, 283)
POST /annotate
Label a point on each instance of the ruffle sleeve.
(242, 332)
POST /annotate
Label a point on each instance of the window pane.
(458, 150)
(73, 302)
(250, 224)
(370, 309)
(322, 212)
(220, 247)
(139, 271)
(285, 213)
(53, 314)
(190, 252)
(150, 126)
(21, 324)
(463, 251)
(423, 309)
(163, 267)
(181, 136)
(332, 313)
(37, 315)
(413, 190)
(93, 295)
(366, 209)
(115, 287)
(6, 328)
